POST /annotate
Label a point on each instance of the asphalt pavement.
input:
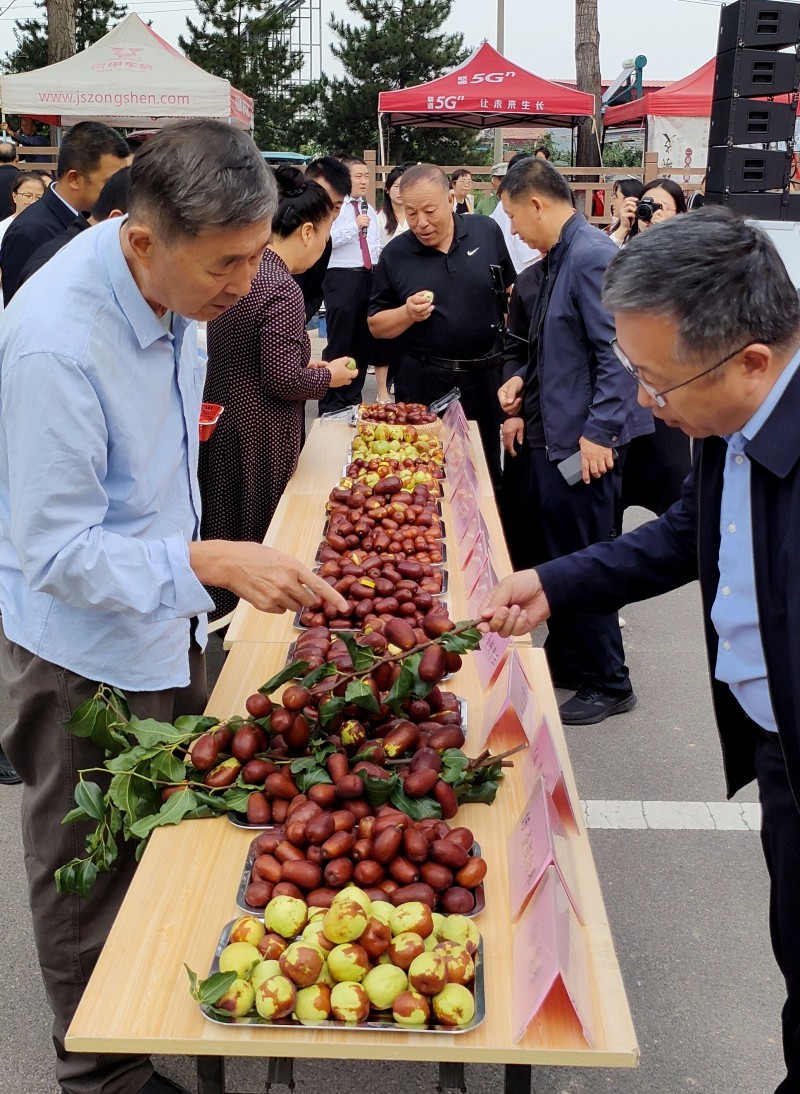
(687, 906)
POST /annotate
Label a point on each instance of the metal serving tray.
(380, 1021)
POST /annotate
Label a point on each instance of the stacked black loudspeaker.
(751, 68)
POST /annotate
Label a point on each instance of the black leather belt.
(474, 364)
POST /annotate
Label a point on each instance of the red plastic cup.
(209, 416)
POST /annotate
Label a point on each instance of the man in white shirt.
(521, 254)
(348, 284)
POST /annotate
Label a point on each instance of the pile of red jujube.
(388, 855)
(397, 413)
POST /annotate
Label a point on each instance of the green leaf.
(65, 876)
(172, 811)
(362, 656)
(82, 721)
(127, 760)
(460, 643)
(213, 988)
(89, 798)
(76, 815)
(148, 732)
(85, 875)
(329, 709)
(321, 749)
(120, 702)
(308, 772)
(215, 803)
(454, 763)
(484, 792)
(288, 672)
(195, 724)
(192, 981)
(378, 791)
(416, 808)
(360, 693)
(401, 688)
(235, 798)
(318, 674)
(124, 794)
(167, 768)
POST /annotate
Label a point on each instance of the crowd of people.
(586, 357)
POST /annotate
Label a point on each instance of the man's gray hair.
(424, 172)
(717, 276)
(196, 175)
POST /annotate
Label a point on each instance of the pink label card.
(455, 418)
(539, 840)
(469, 475)
(550, 960)
(477, 562)
(489, 657)
(455, 455)
(487, 579)
(542, 761)
(509, 707)
(465, 512)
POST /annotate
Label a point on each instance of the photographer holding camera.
(660, 200)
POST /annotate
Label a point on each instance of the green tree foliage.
(248, 44)
(93, 19)
(622, 154)
(395, 43)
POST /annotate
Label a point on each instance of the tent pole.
(381, 151)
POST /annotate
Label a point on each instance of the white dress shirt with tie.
(346, 253)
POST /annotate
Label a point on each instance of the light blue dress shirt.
(740, 657)
(99, 499)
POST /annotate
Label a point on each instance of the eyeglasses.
(27, 196)
(658, 396)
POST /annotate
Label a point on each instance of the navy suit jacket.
(40, 222)
(584, 390)
(684, 544)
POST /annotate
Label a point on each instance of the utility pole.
(60, 30)
(587, 71)
(501, 45)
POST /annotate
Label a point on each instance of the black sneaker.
(8, 776)
(590, 706)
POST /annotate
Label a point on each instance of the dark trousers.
(581, 649)
(346, 302)
(780, 838)
(421, 382)
(69, 930)
(514, 506)
(656, 465)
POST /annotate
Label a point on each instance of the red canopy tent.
(485, 92)
(686, 98)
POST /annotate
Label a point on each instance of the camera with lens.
(646, 208)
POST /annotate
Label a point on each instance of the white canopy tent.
(131, 77)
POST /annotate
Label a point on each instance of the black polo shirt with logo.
(463, 324)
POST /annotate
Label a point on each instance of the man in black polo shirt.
(452, 340)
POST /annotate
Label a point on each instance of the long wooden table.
(185, 887)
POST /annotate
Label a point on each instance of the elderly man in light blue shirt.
(101, 570)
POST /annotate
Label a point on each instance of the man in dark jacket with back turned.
(571, 399)
(709, 323)
(90, 154)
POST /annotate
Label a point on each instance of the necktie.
(362, 239)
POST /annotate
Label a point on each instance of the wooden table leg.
(451, 1077)
(281, 1071)
(210, 1075)
(517, 1079)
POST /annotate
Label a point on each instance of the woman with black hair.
(667, 200)
(625, 195)
(260, 370)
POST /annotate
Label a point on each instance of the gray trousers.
(69, 930)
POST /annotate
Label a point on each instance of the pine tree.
(93, 19)
(246, 42)
(398, 43)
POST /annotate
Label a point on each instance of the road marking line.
(673, 816)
